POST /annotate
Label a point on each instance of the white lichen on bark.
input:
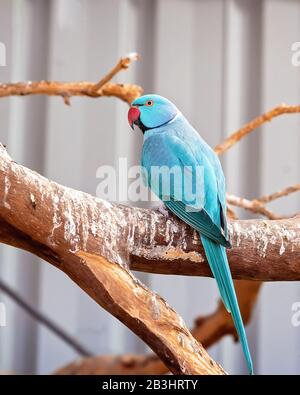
(264, 234)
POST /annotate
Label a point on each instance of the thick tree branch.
(147, 240)
(208, 330)
(91, 241)
(262, 250)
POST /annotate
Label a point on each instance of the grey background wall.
(222, 62)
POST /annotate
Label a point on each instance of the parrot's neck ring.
(144, 128)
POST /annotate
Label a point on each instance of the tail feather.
(217, 259)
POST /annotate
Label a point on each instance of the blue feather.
(218, 263)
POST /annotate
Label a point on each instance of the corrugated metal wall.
(222, 62)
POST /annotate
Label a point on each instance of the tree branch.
(255, 206)
(276, 195)
(125, 92)
(254, 124)
(208, 330)
(44, 320)
(147, 240)
(123, 64)
(91, 241)
(263, 250)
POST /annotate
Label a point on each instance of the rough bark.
(95, 242)
(48, 219)
(87, 238)
(207, 330)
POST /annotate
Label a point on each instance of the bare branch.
(255, 206)
(44, 320)
(208, 330)
(254, 124)
(125, 92)
(123, 64)
(276, 195)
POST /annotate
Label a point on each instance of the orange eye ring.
(149, 103)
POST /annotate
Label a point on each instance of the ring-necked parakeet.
(171, 142)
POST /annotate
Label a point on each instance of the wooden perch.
(88, 239)
(207, 330)
(146, 240)
(94, 242)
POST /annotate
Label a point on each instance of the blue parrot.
(171, 142)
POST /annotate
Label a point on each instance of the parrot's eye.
(149, 103)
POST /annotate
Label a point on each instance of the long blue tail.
(217, 259)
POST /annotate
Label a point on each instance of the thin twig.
(279, 194)
(254, 124)
(257, 206)
(125, 92)
(252, 205)
(37, 315)
(123, 64)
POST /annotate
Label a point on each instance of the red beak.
(133, 115)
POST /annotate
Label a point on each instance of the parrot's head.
(151, 111)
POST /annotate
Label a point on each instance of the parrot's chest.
(157, 152)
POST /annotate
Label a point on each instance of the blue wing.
(164, 150)
(221, 185)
